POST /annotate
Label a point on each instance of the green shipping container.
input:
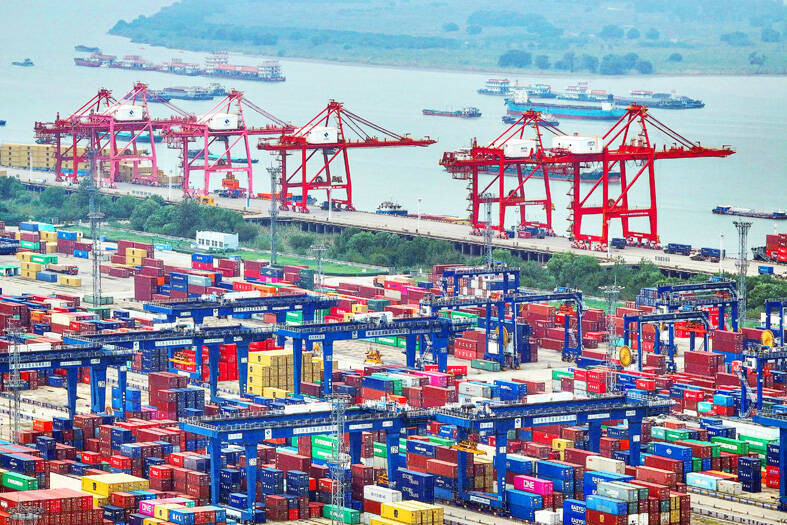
(559, 374)
(380, 450)
(483, 364)
(322, 453)
(30, 245)
(696, 464)
(17, 481)
(324, 441)
(441, 441)
(731, 445)
(342, 514)
(676, 434)
(658, 433)
(391, 341)
(44, 259)
(759, 445)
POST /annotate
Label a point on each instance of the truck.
(618, 243)
(708, 254)
(67, 269)
(678, 249)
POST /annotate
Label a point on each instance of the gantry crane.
(628, 144)
(112, 128)
(330, 134)
(216, 134)
(512, 148)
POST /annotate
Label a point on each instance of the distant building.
(217, 240)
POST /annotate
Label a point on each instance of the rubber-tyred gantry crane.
(512, 148)
(114, 130)
(628, 144)
(330, 134)
(216, 134)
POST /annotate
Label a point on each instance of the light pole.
(330, 204)
(721, 252)
(418, 224)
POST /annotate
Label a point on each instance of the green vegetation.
(154, 219)
(712, 35)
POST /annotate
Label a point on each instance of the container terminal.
(147, 386)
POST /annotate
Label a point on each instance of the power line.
(275, 173)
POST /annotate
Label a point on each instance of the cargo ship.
(88, 62)
(2, 123)
(24, 63)
(216, 65)
(391, 208)
(498, 87)
(143, 137)
(748, 212)
(659, 100)
(556, 173)
(521, 102)
(545, 117)
(468, 112)
(187, 93)
(86, 49)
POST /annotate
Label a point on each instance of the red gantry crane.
(628, 147)
(216, 134)
(114, 130)
(330, 134)
(511, 149)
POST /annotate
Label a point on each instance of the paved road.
(429, 228)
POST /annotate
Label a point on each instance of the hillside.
(593, 36)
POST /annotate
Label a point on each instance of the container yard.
(204, 389)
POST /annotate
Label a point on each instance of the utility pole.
(487, 197)
(319, 250)
(275, 173)
(340, 461)
(95, 216)
(15, 383)
(611, 294)
(743, 266)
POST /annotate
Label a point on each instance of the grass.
(184, 246)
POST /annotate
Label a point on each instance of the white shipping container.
(381, 494)
(605, 464)
(475, 389)
(380, 463)
(644, 519)
(664, 519)
(547, 517)
(546, 398)
(128, 112)
(222, 121)
(517, 148)
(53, 335)
(729, 487)
(577, 143)
(322, 135)
(633, 519)
(393, 294)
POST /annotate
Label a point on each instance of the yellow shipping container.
(67, 280)
(360, 308)
(561, 444)
(51, 247)
(383, 521)
(27, 275)
(254, 389)
(401, 513)
(161, 512)
(105, 484)
(99, 501)
(24, 256)
(436, 511)
(30, 266)
(136, 252)
(416, 506)
(133, 261)
(152, 521)
(273, 392)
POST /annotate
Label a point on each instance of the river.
(747, 113)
